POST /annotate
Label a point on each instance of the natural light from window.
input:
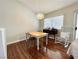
(54, 22)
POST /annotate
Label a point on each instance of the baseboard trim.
(14, 42)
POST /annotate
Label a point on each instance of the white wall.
(17, 19)
(68, 13)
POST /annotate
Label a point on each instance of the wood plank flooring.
(21, 51)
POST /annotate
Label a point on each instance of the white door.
(77, 34)
(3, 50)
(75, 25)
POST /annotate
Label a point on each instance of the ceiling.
(46, 6)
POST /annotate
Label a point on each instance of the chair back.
(65, 35)
(27, 35)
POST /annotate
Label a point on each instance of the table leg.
(37, 43)
(46, 40)
(54, 36)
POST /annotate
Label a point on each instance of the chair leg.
(66, 43)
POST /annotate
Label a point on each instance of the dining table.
(39, 35)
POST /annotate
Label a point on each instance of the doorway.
(76, 23)
(77, 31)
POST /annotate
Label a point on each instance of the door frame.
(75, 24)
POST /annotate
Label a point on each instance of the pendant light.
(39, 15)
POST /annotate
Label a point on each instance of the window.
(54, 22)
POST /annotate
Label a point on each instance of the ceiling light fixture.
(40, 16)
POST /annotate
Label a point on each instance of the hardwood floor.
(21, 51)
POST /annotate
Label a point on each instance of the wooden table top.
(37, 34)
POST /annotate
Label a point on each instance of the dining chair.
(30, 41)
(63, 38)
